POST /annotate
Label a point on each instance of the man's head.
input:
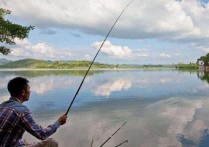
(19, 88)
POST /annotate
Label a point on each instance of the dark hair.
(17, 85)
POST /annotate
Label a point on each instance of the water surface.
(163, 108)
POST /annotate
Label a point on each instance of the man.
(15, 118)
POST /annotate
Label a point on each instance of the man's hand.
(62, 119)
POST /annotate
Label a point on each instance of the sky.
(148, 32)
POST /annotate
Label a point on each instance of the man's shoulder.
(15, 105)
(21, 108)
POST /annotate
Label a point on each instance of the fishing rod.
(92, 143)
(95, 58)
(121, 143)
(112, 135)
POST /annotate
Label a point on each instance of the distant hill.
(34, 63)
(43, 64)
(4, 61)
(24, 63)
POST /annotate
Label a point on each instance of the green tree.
(9, 31)
(205, 59)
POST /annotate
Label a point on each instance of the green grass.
(187, 66)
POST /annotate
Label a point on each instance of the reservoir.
(162, 107)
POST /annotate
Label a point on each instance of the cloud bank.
(112, 50)
(24, 48)
(182, 22)
(185, 20)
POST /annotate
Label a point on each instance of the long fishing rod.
(121, 143)
(112, 135)
(92, 143)
(95, 58)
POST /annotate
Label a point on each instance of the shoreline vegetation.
(35, 64)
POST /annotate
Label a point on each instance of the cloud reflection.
(116, 85)
(44, 84)
(165, 80)
(150, 123)
(167, 113)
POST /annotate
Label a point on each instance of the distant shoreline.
(73, 69)
(43, 65)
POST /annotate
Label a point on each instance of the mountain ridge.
(4, 61)
(37, 63)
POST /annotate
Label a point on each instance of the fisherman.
(16, 118)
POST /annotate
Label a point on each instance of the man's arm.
(28, 123)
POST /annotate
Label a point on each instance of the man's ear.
(23, 92)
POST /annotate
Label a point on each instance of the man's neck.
(17, 99)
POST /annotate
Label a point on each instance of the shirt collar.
(15, 99)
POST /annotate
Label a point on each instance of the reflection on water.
(203, 76)
(163, 108)
(196, 134)
(112, 85)
(202, 142)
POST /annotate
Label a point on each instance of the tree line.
(9, 31)
(205, 59)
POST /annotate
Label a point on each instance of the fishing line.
(112, 135)
(95, 58)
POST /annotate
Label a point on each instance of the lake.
(162, 107)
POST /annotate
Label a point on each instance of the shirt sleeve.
(28, 123)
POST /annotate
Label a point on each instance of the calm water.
(163, 108)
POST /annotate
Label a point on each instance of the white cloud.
(112, 50)
(4, 98)
(206, 50)
(139, 55)
(172, 22)
(26, 49)
(184, 20)
(87, 57)
(142, 55)
(164, 55)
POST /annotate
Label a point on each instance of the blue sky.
(149, 32)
